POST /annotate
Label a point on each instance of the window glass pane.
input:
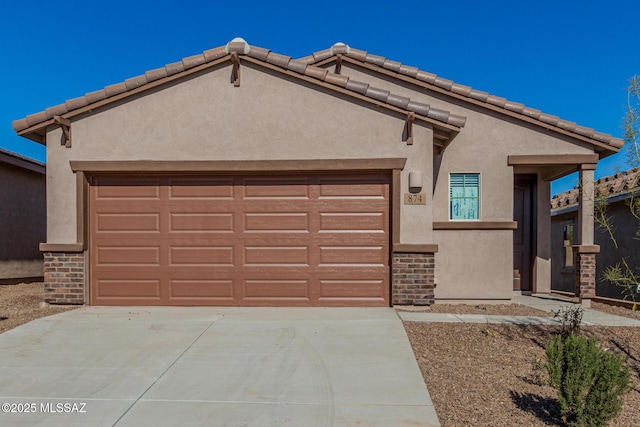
(464, 196)
(457, 192)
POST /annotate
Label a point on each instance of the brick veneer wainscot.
(64, 277)
(586, 275)
(412, 278)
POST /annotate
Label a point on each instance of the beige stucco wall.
(483, 146)
(268, 117)
(469, 264)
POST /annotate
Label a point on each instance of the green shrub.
(590, 381)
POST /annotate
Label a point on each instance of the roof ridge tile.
(278, 59)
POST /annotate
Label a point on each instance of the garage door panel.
(352, 289)
(123, 289)
(260, 240)
(276, 255)
(127, 222)
(276, 289)
(202, 222)
(276, 222)
(205, 289)
(131, 188)
(285, 188)
(368, 189)
(127, 256)
(349, 221)
(213, 256)
(210, 189)
(353, 255)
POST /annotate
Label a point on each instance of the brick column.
(585, 273)
(412, 278)
(64, 274)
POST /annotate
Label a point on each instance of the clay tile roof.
(620, 183)
(213, 54)
(302, 67)
(471, 93)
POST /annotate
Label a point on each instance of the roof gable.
(430, 81)
(34, 125)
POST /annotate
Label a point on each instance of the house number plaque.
(415, 199)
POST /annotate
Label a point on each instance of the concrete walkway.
(170, 366)
(541, 302)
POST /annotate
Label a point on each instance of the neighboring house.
(617, 189)
(242, 177)
(23, 217)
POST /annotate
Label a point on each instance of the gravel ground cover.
(23, 303)
(620, 311)
(488, 309)
(492, 375)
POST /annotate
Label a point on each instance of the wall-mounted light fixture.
(415, 181)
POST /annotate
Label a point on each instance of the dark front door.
(523, 236)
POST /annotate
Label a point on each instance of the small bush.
(590, 381)
(570, 319)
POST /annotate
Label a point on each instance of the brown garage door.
(308, 240)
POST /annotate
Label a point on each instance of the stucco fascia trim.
(485, 105)
(586, 249)
(222, 166)
(396, 201)
(475, 225)
(427, 248)
(82, 187)
(552, 159)
(61, 247)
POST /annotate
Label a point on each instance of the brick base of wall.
(64, 274)
(585, 269)
(412, 279)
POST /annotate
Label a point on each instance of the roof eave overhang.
(603, 150)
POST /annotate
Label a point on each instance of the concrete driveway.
(167, 366)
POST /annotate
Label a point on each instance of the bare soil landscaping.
(493, 375)
(23, 303)
(477, 374)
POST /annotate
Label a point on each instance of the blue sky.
(568, 58)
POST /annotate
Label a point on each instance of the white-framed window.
(464, 196)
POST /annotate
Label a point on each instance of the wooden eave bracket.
(235, 73)
(338, 64)
(65, 125)
(410, 118)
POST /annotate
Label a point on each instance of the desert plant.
(590, 381)
(570, 319)
(539, 372)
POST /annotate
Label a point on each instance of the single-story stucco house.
(240, 176)
(616, 190)
(23, 217)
